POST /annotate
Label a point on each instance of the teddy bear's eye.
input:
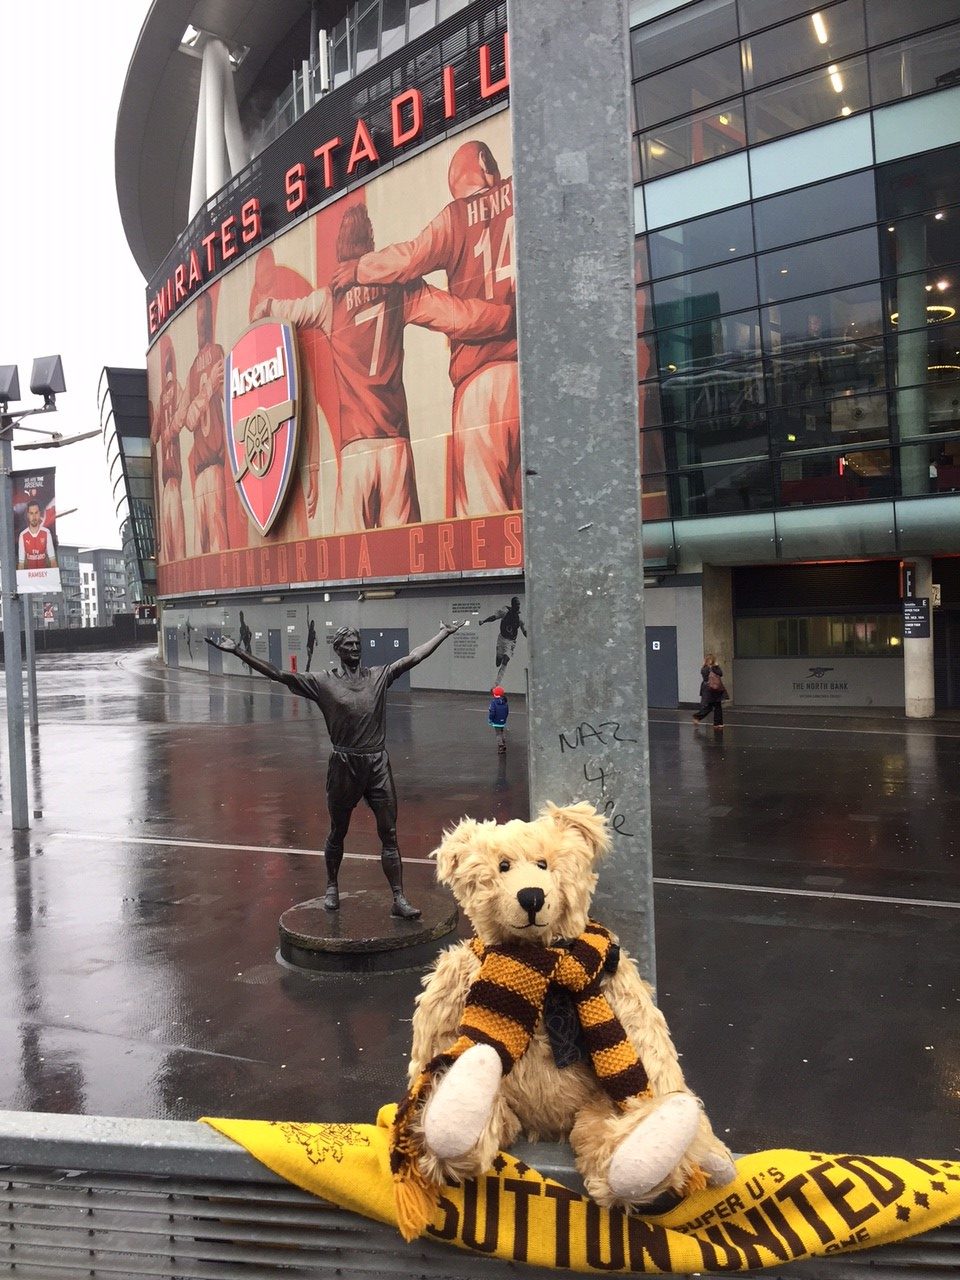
(504, 865)
(542, 864)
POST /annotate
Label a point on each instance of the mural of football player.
(204, 417)
(472, 239)
(364, 323)
(168, 422)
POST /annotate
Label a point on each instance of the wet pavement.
(807, 907)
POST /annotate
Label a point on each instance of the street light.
(46, 380)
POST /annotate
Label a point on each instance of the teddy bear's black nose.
(531, 900)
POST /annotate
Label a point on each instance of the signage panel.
(916, 618)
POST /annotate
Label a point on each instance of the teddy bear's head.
(526, 881)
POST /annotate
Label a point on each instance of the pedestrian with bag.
(712, 692)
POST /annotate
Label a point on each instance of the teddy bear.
(540, 1025)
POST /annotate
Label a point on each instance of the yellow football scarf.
(783, 1206)
(504, 1004)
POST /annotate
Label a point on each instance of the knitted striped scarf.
(504, 1004)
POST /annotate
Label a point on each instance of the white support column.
(220, 149)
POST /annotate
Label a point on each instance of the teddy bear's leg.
(712, 1156)
(460, 1107)
(630, 1156)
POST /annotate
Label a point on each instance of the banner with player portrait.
(399, 301)
(34, 530)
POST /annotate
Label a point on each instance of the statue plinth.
(363, 937)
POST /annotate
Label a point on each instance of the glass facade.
(124, 420)
(802, 348)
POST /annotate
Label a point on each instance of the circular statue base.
(363, 937)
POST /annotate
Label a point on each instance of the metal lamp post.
(46, 380)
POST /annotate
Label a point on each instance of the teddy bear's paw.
(460, 1108)
(719, 1168)
(651, 1152)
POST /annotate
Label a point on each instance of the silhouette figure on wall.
(510, 624)
(352, 699)
(311, 641)
(246, 635)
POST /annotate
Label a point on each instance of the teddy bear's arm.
(439, 1006)
(632, 1002)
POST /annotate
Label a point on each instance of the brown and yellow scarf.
(504, 1004)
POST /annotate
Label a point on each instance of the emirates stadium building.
(320, 198)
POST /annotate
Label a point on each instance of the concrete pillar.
(581, 457)
(918, 691)
(718, 618)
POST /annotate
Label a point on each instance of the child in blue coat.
(497, 717)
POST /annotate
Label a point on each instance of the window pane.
(851, 313)
(702, 294)
(654, 498)
(721, 439)
(943, 466)
(422, 16)
(938, 362)
(718, 238)
(368, 34)
(649, 404)
(641, 268)
(764, 13)
(825, 36)
(706, 136)
(914, 302)
(394, 25)
(682, 35)
(806, 372)
(815, 211)
(824, 478)
(845, 419)
(688, 194)
(822, 264)
(644, 309)
(743, 486)
(689, 87)
(712, 366)
(928, 242)
(831, 93)
(646, 357)
(921, 182)
(926, 62)
(886, 21)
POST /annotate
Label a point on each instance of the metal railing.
(101, 1197)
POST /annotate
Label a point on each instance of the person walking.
(497, 717)
(712, 692)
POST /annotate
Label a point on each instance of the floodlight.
(9, 383)
(46, 379)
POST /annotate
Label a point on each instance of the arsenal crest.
(260, 390)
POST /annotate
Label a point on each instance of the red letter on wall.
(296, 186)
(250, 220)
(363, 148)
(401, 135)
(325, 151)
(487, 89)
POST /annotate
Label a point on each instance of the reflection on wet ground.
(807, 907)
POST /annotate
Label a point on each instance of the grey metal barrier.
(127, 1199)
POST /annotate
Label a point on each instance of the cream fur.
(536, 1098)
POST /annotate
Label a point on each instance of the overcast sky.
(68, 282)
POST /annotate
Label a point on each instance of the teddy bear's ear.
(457, 842)
(585, 821)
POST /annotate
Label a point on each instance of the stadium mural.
(343, 403)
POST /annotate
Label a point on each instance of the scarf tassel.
(415, 1202)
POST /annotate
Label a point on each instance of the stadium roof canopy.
(157, 116)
